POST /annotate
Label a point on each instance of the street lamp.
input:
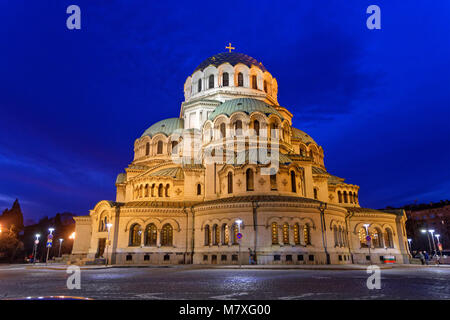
(428, 235)
(108, 225)
(36, 242)
(439, 244)
(49, 242)
(72, 236)
(432, 237)
(322, 208)
(239, 222)
(409, 243)
(60, 243)
(368, 240)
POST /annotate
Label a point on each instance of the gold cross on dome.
(230, 47)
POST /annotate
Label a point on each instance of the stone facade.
(176, 207)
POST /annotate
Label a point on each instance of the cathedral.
(231, 181)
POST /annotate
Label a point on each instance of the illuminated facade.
(176, 207)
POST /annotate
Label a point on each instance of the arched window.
(341, 236)
(167, 190)
(376, 238)
(315, 193)
(153, 190)
(160, 190)
(199, 86)
(140, 191)
(249, 179)
(306, 234)
(216, 234)
(159, 149)
(147, 148)
(207, 235)
(225, 79)
(340, 196)
(211, 82)
(135, 235)
(103, 224)
(388, 239)
(225, 234)
(362, 237)
(199, 189)
(223, 130)
(254, 82)
(256, 127)
(240, 79)
(296, 234)
(345, 197)
(230, 182)
(350, 197)
(174, 147)
(167, 235)
(274, 233)
(235, 233)
(146, 190)
(335, 234)
(238, 128)
(150, 235)
(286, 233)
(265, 85)
(293, 183)
(273, 182)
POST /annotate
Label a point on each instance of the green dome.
(246, 105)
(166, 126)
(303, 136)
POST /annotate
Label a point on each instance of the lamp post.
(239, 222)
(322, 208)
(432, 237)
(60, 243)
(439, 244)
(49, 242)
(108, 225)
(429, 241)
(36, 242)
(368, 240)
(409, 244)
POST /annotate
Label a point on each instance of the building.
(232, 165)
(433, 216)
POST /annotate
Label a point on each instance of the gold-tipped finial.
(230, 47)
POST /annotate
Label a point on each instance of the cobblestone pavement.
(190, 282)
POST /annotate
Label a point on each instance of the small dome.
(166, 126)
(232, 58)
(246, 105)
(303, 136)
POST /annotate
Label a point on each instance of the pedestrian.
(250, 256)
(427, 257)
(421, 257)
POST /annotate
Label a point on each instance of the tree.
(10, 246)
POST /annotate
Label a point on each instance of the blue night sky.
(73, 102)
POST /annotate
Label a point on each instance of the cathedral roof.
(303, 136)
(176, 173)
(166, 126)
(246, 105)
(121, 178)
(232, 58)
